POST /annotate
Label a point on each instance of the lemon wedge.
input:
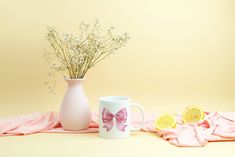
(193, 114)
(165, 121)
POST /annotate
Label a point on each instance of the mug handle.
(142, 117)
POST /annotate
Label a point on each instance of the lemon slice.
(193, 114)
(165, 121)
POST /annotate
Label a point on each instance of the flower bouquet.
(72, 56)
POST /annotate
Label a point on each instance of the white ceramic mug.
(115, 117)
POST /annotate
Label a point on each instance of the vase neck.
(73, 82)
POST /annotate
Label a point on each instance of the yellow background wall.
(181, 52)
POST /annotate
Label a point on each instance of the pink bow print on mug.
(120, 117)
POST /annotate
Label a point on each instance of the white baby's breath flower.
(72, 56)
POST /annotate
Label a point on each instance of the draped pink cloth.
(216, 127)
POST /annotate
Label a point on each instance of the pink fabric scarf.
(215, 127)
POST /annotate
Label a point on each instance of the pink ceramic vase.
(75, 113)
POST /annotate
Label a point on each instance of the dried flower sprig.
(74, 56)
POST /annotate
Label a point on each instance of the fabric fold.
(216, 126)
